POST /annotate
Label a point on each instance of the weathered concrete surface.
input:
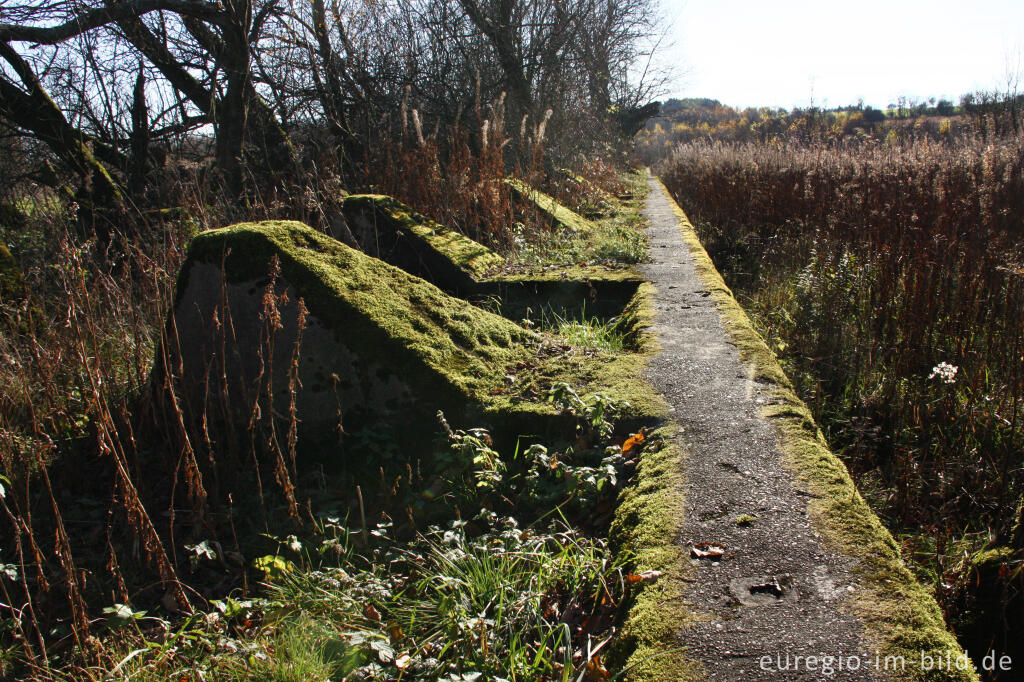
(777, 589)
(378, 347)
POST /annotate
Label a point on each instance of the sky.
(830, 53)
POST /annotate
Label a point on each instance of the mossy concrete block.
(560, 216)
(380, 347)
(388, 229)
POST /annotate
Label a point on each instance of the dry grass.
(868, 265)
(97, 496)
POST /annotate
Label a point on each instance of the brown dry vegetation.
(874, 268)
(102, 501)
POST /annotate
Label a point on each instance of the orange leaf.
(597, 671)
(632, 443)
(644, 576)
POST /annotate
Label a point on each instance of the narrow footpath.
(777, 591)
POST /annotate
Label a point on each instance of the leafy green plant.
(596, 411)
(510, 603)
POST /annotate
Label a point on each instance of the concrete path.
(776, 593)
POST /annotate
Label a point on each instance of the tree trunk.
(35, 111)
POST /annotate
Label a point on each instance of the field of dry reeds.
(889, 277)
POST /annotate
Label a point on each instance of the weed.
(584, 331)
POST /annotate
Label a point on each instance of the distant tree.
(872, 115)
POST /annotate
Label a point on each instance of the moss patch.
(561, 216)
(649, 515)
(390, 230)
(900, 617)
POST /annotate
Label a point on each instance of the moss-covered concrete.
(384, 346)
(388, 229)
(378, 340)
(621, 375)
(560, 216)
(900, 617)
(649, 516)
(523, 408)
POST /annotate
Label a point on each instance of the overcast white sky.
(782, 53)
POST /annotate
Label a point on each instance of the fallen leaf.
(371, 613)
(597, 671)
(644, 576)
(402, 662)
(634, 442)
(707, 550)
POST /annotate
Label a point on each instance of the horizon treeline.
(989, 114)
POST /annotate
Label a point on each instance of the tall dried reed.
(875, 267)
(75, 346)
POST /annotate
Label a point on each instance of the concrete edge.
(648, 518)
(901, 618)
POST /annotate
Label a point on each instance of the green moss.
(445, 347)
(650, 513)
(994, 555)
(524, 407)
(622, 376)
(900, 617)
(460, 251)
(560, 215)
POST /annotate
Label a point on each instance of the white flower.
(944, 371)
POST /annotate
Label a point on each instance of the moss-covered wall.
(560, 216)
(388, 229)
(381, 345)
